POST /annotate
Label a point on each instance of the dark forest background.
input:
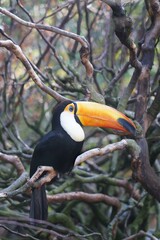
(112, 196)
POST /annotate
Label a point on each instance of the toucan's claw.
(127, 125)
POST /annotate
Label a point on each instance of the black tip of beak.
(128, 126)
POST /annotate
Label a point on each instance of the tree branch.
(140, 235)
(87, 197)
(62, 32)
(127, 143)
(36, 181)
(144, 173)
(14, 160)
(8, 44)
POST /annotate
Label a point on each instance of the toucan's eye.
(71, 108)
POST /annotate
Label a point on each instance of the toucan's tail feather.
(39, 205)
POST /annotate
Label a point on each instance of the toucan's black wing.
(55, 149)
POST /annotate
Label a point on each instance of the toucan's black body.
(56, 149)
(60, 147)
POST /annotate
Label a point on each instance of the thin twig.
(62, 32)
(8, 44)
(140, 234)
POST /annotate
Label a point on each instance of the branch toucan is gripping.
(60, 147)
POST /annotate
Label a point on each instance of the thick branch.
(142, 170)
(144, 173)
(84, 54)
(14, 160)
(34, 181)
(154, 109)
(12, 189)
(148, 46)
(123, 29)
(148, 50)
(108, 149)
(87, 197)
(92, 93)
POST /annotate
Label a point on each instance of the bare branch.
(144, 173)
(108, 149)
(110, 181)
(14, 160)
(16, 187)
(87, 197)
(62, 32)
(16, 233)
(35, 181)
(20, 55)
(141, 234)
(84, 53)
(27, 224)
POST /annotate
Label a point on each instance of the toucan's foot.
(44, 174)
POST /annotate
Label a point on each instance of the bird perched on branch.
(60, 147)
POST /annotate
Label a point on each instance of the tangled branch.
(14, 160)
(36, 181)
(62, 32)
(8, 44)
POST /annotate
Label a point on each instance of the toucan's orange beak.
(99, 115)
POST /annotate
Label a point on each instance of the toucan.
(60, 147)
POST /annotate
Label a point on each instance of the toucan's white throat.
(69, 124)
